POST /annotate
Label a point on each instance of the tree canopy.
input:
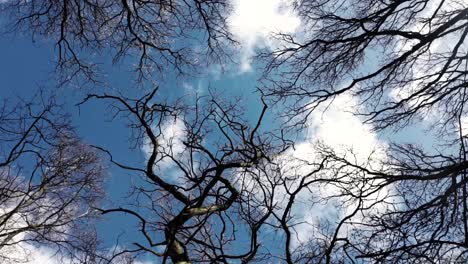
(314, 160)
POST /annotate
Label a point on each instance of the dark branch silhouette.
(49, 182)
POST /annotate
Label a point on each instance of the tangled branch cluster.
(228, 188)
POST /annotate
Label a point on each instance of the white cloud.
(29, 254)
(338, 128)
(335, 126)
(170, 142)
(173, 133)
(192, 90)
(26, 253)
(15, 249)
(429, 63)
(252, 22)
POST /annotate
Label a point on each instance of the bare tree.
(152, 34)
(410, 208)
(221, 186)
(194, 200)
(404, 61)
(49, 181)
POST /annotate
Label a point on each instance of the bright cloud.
(173, 133)
(252, 22)
(428, 63)
(29, 254)
(338, 128)
(170, 143)
(335, 126)
(15, 249)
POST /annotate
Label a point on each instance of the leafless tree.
(195, 200)
(401, 59)
(221, 187)
(404, 61)
(150, 34)
(49, 181)
(412, 207)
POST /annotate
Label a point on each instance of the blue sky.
(25, 65)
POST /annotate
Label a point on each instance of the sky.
(25, 65)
